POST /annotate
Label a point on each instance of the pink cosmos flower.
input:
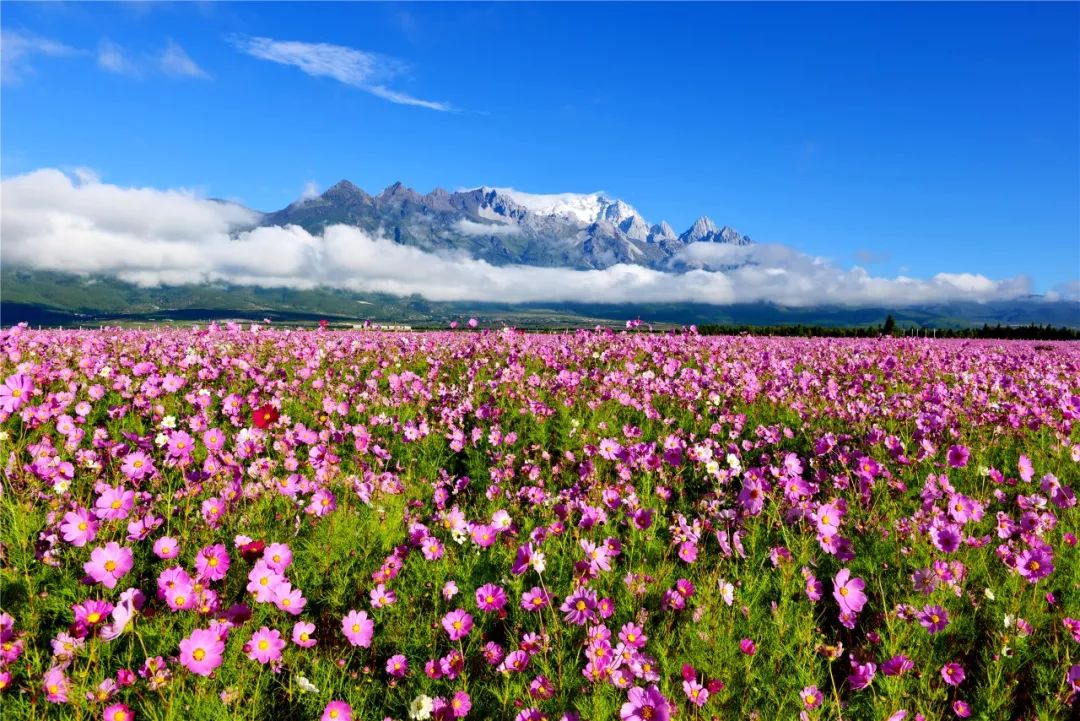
(109, 564)
(748, 647)
(358, 628)
(201, 652)
(961, 708)
(263, 582)
(490, 597)
(460, 704)
(114, 504)
(1026, 468)
(337, 711)
(848, 592)
(645, 704)
(933, 618)
(119, 712)
(278, 556)
(79, 527)
(953, 673)
(15, 392)
(137, 465)
(302, 634)
(535, 599)
(265, 645)
(214, 440)
(457, 623)
(212, 562)
(166, 547)
(55, 684)
(957, 456)
(397, 665)
(695, 692)
(811, 697)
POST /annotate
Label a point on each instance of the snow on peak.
(583, 208)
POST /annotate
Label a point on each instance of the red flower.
(264, 416)
(253, 550)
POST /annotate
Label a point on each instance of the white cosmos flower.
(420, 708)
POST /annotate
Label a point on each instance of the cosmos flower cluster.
(494, 524)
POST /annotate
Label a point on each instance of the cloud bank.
(358, 68)
(52, 221)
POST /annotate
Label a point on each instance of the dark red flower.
(264, 416)
(715, 685)
(252, 551)
(688, 672)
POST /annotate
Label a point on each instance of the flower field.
(249, 522)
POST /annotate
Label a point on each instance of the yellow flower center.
(110, 566)
(198, 654)
(82, 526)
(16, 393)
(93, 617)
(844, 591)
(356, 628)
(116, 503)
(264, 644)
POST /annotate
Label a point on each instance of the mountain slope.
(505, 226)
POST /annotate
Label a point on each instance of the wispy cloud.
(359, 68)
(53, 221)
(17, 50)
(175, 61)
(112, 58)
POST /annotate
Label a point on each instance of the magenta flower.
(957, 456)
(358, 628)
(862, 674)
(1027, 470)
(337, 711)
(457, 623)
(118, 712)
(933, 618)
(265, 645)
(695, 692)
(214, 440)
(114, 504)
(1035, 564)
(79, 527)
(953, 673)
(460, 704)
(89, 615)
(109, 564)
(55, 684)
(166, 547)
(397, 665)
(848, 592)
(748, 647)
(579, 607)
(201, 652)
(302, 634)
(490, 597)
(278, 556)
(15, 392)
(137, 466)
(212, 562)
(961, 708)
(811, 697)
(645, 704)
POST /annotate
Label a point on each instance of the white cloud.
(358, 68)
(111, 57)
(55, 222)
(311, 190)
(18, 48)
(471, 227)
(175, 61)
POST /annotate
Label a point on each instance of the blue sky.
(909, 138)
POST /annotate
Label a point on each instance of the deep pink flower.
(201, 652)
(953, 673)
(15, 391)
(119, 712)
(166, 547)
(957, 456)
(302, 634)
(397, 665)
(460, 704)
(490, 597)
(79, 527)
(337, 711)
(137, 465)
(265, 645)
(109, 564)
(358, 628)
(848, 592)
(645, 704)
(933, 618)
(457, 623)
(811, 697)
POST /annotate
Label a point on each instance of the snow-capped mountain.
(503, 225)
